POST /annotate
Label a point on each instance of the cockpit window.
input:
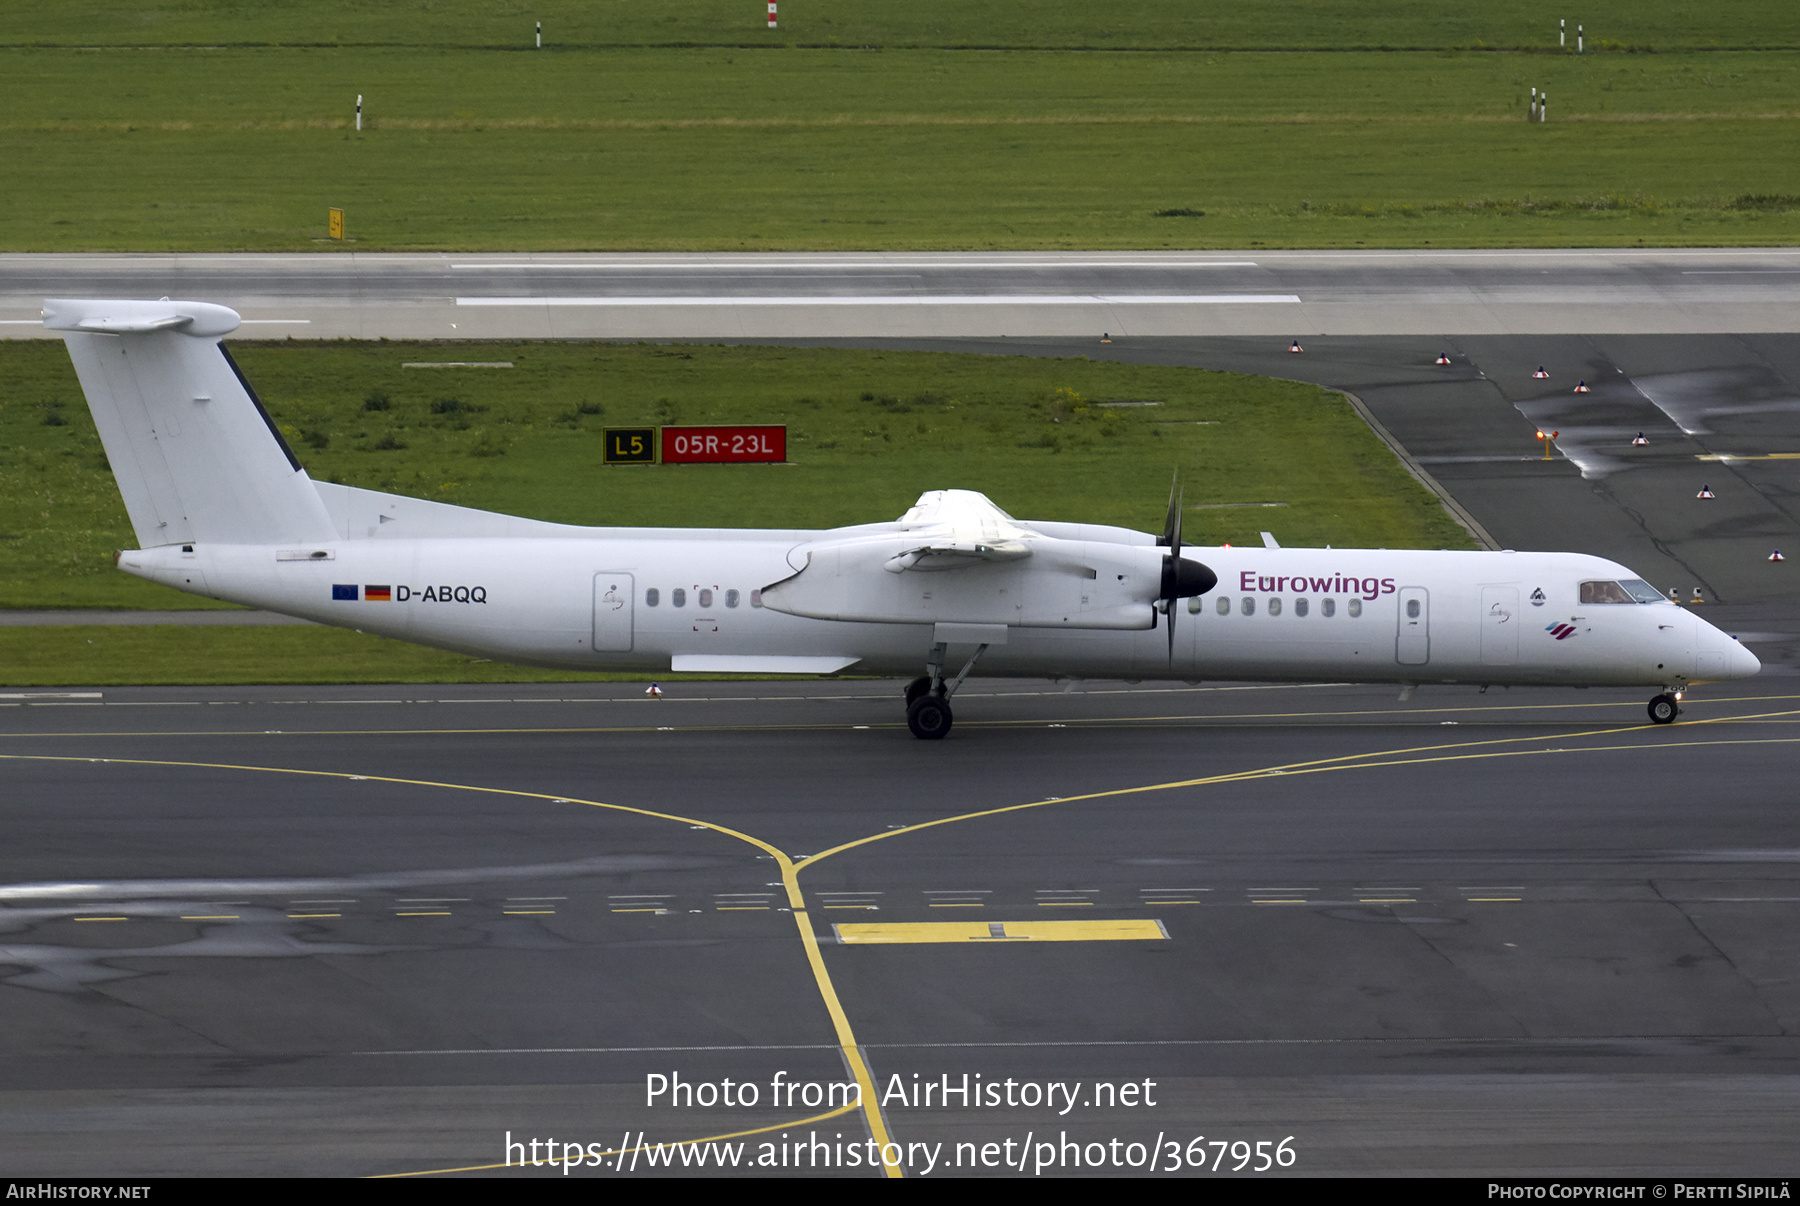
(1631, 590)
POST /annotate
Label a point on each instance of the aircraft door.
(1499, 625)
(613, 595)
(1412, 647)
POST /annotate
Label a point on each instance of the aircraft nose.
(1740, 662)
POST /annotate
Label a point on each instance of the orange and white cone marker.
(1582, 388)
(1105, 337)
(1776, 556)
(1540, 374)
(1443, 358)
(1696, 598)
(653, 691)
(1296, 348)
(1640, 442)
(1705, 492)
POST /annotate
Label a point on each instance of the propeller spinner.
(1181, 578)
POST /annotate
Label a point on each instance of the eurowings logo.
(1561, 632)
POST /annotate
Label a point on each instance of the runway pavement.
(329, 295)
(356, 931)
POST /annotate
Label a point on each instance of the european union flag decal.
(344, 592)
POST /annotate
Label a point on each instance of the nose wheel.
(1664, 709)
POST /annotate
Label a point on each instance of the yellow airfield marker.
(869, 933)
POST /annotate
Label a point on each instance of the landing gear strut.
(1665, 708)
(928, 712)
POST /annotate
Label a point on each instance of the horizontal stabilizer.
(139, 317)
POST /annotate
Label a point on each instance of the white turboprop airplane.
(223, 509)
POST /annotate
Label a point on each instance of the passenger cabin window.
(1354, 607)
(1194, 605)
(1274, 607)
(678, 597)
(1223, 606)
(1412, 609)
(1328, 608)
(1248, 606)
(731, 598)
(705, 597)
(1299, 607)
(652, 597)
(756, 598)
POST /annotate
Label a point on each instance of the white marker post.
(1543, 106)
(540, 26)
(1533, 105)
(771, 14)
(1562, 33)
(359, 111)
(1578, 39)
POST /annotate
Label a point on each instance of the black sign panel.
(630, 445)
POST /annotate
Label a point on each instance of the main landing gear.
(928, 712)
(1666, 707)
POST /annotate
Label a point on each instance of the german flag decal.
(378, 594)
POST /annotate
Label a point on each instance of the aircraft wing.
(952, 529)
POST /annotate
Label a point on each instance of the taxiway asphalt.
(358, 931)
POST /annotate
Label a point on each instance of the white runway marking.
(978, 299)
(762, 266)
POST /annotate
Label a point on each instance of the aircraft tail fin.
(196, 456)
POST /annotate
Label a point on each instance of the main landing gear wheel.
(929, 717)
(1664, 709)
(917, 687)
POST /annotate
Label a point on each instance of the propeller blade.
(1172, 563)
(1171, 533)
(1175, 535)
(1172, 610)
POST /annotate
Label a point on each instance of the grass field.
(868, 432)
(155, 656)
(890, 140)
(1321, 24)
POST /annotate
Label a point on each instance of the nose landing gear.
(1665, 707)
